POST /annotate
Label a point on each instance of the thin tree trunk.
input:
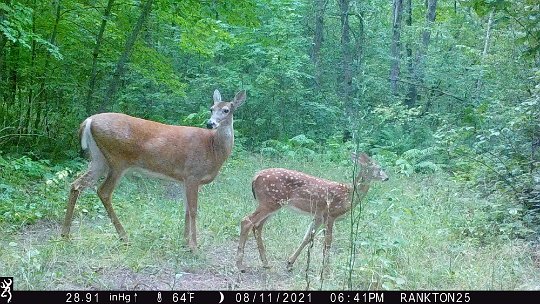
(320, 8)
(3, 41)
(397, 12)
(128, 48)
(13, 77)
(479, 83)
(42, 104)
(426, 37)
(31, 77)
(426, 34)
(360, 43)
(412, 93)
(346, 59)
(3, 77)
(430, 17)
(95, 54)
(488, 35)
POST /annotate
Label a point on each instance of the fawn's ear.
(217, 96)
(362, 158)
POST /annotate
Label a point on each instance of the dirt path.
(217, 272)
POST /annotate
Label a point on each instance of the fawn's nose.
(210, 124)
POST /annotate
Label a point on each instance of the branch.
(425, 87)
(502, 176)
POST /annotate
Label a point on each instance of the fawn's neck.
(362, 187)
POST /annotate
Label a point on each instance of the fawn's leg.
(308, 237)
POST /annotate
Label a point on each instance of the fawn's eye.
(225, 110)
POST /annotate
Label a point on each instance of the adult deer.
(189, 155)
(323, 199)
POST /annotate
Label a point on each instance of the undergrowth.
(416, 231)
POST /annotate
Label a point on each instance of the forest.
(443, 95)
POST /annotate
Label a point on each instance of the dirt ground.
(219, 271)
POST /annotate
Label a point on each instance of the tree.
(320, 8)
(345, 80)
(122, 61)
(95, 54)
(395, 50)
(412, 93)
(418, 67)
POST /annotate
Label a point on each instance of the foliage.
(298, 146)
(459, 239)
(32, 190)
(416, 160)
(473, 73)
(16, 27)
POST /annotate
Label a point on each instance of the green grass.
(418, 232)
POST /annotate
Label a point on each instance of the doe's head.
(369, 168)
(222, 110)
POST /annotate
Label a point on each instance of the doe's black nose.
(209, 125)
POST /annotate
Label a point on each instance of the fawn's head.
(369, 169)
(222, 111)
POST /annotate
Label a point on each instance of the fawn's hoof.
(64, 232)
(193, 248)
(241, 267)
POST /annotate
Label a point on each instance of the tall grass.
(418, 232)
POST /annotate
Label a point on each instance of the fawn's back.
(277, 187)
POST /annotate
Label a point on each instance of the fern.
(418, 160)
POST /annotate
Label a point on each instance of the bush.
(31, 190)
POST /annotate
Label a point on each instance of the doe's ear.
(217, 96)
(239, 99)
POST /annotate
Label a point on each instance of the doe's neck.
(224, 138)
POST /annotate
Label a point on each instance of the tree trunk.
(430, 18)
(360, 41)
(3, 77)
(320, 8)
(346, 59)
(426, 34)
(488, 35)
(31, 77)
(412, 93)
(3, 41)
(42, 104)
(95, 54)
(13, 77)
(128, 48)
(397, 12)
(479, 83)
(418, 74)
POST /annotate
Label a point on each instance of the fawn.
(323, 199)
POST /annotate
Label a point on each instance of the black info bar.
(218, 297)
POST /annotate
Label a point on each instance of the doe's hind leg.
(88, 179)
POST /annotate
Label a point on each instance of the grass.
(418, 232)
